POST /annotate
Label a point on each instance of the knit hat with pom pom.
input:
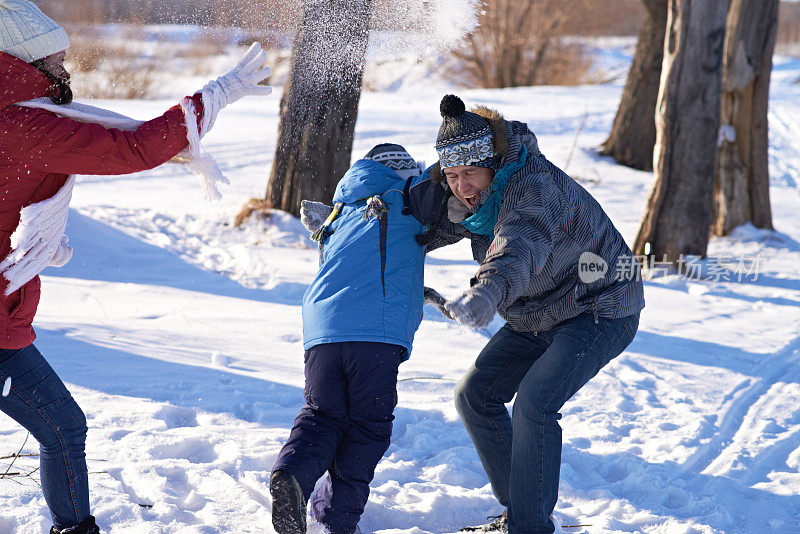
(465, 138)
(27, 33)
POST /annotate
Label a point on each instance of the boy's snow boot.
(87, 526)
(288, 504)
(497, 523)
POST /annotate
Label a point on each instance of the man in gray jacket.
(555, 268)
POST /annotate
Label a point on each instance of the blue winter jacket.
(370, 281)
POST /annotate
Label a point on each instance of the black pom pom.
(451, 106)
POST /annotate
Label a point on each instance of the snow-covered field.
(180, 336)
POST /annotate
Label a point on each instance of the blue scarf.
(484, 220)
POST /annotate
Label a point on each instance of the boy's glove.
(433, 298)
(313, 214)
(475, 307)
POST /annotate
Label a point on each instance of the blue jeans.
(40, 402)
(344, 428)
(522, 453)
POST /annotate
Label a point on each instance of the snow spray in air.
(422, 26)
(332, 42)
(330, 50)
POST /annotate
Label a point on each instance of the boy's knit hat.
(27, 33)
(396, 158)
(465, 138)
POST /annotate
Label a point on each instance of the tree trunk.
(679, 209)
(742, 185)
(633, 135)
(320, 103)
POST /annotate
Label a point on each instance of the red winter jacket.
(39, 149)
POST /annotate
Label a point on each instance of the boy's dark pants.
(344, 428)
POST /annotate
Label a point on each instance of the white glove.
(473, 308)
(313, 214)
(241, 81)
(62, 254)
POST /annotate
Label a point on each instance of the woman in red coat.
(40, 149)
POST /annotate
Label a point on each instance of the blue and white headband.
(475, 152)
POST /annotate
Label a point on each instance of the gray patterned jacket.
(536, 267)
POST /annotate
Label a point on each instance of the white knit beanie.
(27, 33)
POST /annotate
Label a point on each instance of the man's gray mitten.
(473, 308)
(313, 214)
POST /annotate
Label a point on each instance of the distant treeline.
(609, 17)
(789, 22)
(203, 13)
(606, 17)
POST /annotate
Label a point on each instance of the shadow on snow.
(106, 254)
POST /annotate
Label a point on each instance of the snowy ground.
(180, 336)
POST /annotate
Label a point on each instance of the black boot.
(288, 504)
(498, 523)
(87, 526)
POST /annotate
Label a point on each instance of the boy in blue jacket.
(359, 318)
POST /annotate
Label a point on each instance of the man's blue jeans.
(522, 453)
(40, 402)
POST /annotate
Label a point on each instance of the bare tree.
(788, 22)
(633, 135)
(678, 215)
(319, 105)
(742, 184)
(518, 43)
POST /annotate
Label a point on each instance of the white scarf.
(39, 239)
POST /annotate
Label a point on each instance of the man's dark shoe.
(288, 504)
(87, 526)
(497, 523)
